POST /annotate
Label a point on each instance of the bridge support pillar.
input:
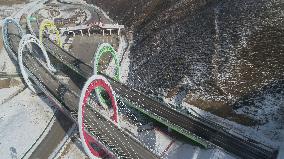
(89, 33)
(110, 31)
(169, 129)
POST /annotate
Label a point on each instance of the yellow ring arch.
(51, 27)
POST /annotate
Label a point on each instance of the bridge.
(94, 127)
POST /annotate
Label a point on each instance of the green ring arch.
(103, 49)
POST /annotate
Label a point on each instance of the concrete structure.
(26, 40)
(109, 27)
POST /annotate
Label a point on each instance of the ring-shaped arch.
(94, 82)
(51, 27)
(6, 41)
(27, 39)
(103, 49)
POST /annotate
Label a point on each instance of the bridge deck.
(204, 132)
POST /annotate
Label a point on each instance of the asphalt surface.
(69, 99)
(242, 147)
(123, 144)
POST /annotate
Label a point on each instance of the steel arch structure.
(51, 27)
(6, 41)
(26, 40)
(94, 82)
(103, 49)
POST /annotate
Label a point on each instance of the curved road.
(195, 128)
(124, 146)
(190, 126)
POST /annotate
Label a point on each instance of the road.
(70, 99)
(125, 146)
(56, 134)
(198, 129)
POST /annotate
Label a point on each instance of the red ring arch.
(94, 82)
(107, 88)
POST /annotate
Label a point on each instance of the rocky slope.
(221, 56)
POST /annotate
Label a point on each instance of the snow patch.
(22, 120)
